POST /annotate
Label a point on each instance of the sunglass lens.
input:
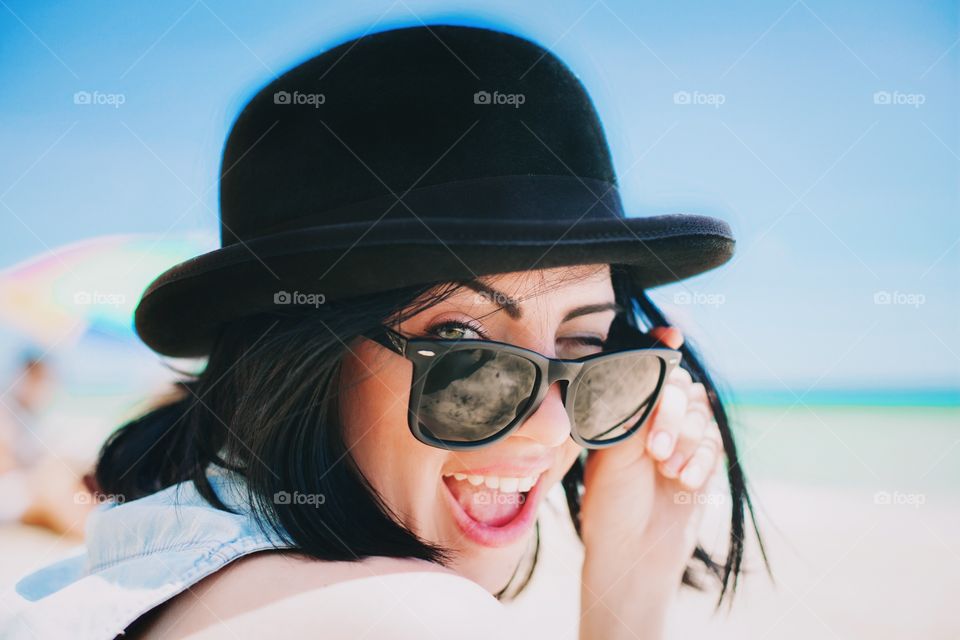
(615, 395)
(471, 394)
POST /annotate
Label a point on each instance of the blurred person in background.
(23, 401)
(36, 486)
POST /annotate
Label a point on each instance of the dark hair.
(265, 406)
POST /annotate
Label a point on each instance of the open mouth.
(492, 510)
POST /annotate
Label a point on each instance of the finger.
(666, 424)
(696, 392)
(717, 479)
(681, 377)
(702, 464)
(671, 337)
(697, 400)
(692, 427)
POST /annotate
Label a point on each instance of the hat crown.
(412, 111)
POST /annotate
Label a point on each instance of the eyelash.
(456, 324)
(438, 328)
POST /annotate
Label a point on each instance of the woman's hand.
(642, 507)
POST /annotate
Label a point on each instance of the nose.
(549, 425)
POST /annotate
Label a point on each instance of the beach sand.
(845, 566)
(860, 512)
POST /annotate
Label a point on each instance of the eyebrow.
(513, 310)
(591, 308)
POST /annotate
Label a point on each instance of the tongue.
(489, 506)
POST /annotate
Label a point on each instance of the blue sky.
(835, 194)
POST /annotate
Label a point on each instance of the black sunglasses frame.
(423, 352)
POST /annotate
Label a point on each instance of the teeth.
(503, 484)
(509, 485)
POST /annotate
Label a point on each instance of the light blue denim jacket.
(137, 555)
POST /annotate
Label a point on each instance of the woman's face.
(437, 493)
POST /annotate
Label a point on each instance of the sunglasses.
(467, 394)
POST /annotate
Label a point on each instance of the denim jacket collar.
(136, 556)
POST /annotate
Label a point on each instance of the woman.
(428, 316)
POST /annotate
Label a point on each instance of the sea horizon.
(859, 397)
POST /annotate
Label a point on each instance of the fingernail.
(660, 447)
(692, 475)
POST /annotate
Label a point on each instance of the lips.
(492, 517)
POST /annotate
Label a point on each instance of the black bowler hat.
(415, 155)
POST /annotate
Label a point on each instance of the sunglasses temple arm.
(388, 338)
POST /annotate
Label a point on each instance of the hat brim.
(180, 312)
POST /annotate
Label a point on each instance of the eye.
(581, 346)
(456, 330)
(586, 341)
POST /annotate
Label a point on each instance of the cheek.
(567, 457)
(570, 452)
(374, 393)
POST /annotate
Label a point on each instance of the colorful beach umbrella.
(91, 285)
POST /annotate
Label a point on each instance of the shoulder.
(397, 606)
(272, 593)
